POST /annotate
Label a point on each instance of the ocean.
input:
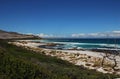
(80, 43)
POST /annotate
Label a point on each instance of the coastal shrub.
(14, 68)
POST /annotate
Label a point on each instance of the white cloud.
(78, 35)
(82, 35)
(42, 35)
(116, 31)
(46, 35)
(96, 35)
(87, 35)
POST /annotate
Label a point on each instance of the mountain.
(15, 35)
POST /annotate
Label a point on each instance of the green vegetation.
(20, 63)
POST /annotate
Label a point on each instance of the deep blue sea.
(91, 43)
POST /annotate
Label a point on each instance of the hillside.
(14, 35)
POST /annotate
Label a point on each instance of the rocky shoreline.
(86, 58)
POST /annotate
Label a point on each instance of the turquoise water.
(84, 43)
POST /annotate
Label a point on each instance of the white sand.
(90, 53)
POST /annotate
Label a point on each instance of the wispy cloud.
(44, 35)
(112, 34)
(115, 33)
(118, 31)
(50, 35)
(78, 35)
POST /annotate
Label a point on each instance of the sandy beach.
(88, 59)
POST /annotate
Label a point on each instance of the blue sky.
(60, 17)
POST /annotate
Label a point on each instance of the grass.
(20, 63)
